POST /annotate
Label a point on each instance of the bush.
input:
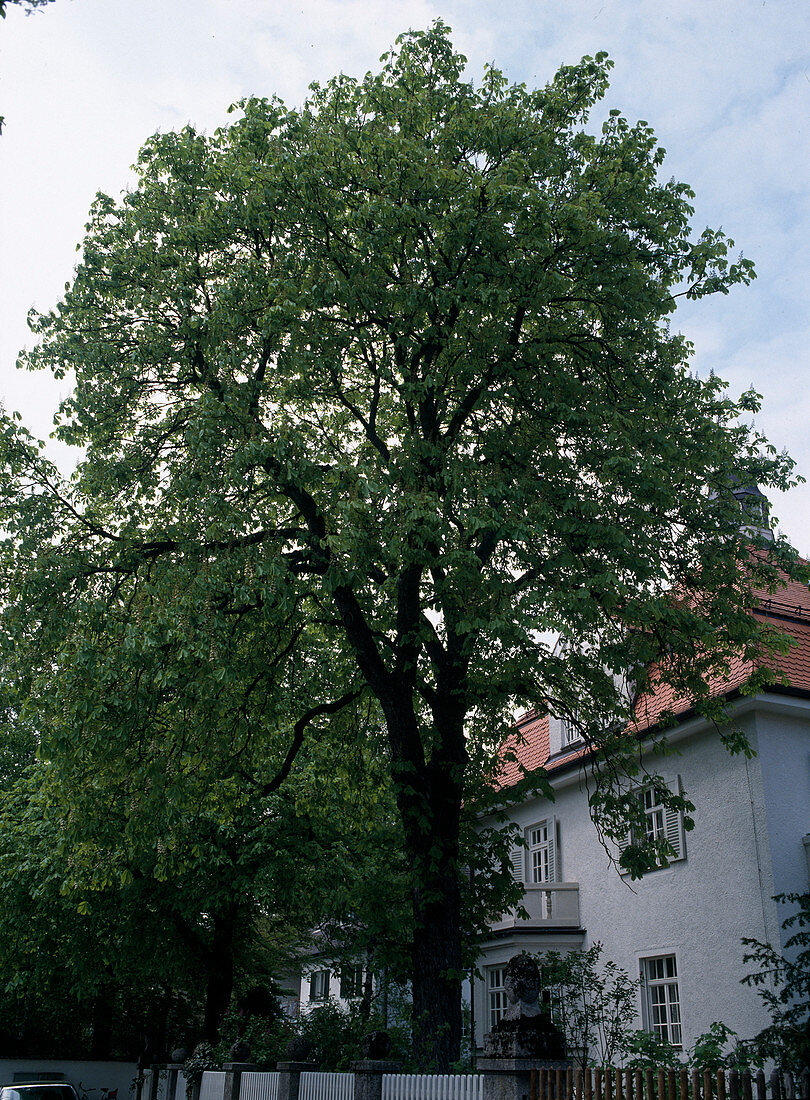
(709, 1051)
(783, 984)
(646, 1050)
(334, 1034)
(266, 1036)
(592, 1002)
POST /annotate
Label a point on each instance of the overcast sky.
(724, 83)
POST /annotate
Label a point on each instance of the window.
(319, 985)
(661, 998)
(570, 731)
(351, 983)
(660, 821)
(653, 813)
(538, 861)
(496, 994)
(541, 852)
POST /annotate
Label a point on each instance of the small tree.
(593, 1002)
(782, 980)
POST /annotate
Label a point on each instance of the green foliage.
(647, 1050)
(721, 1048)
(370, 396)
(334, 1034)
(266, 1037)
(718, 1048)
(593, 1003)
(782, 979)
(202, 1059)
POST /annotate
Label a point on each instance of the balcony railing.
(547, 903)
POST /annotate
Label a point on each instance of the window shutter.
(518, 862)
(312, 987)
(673, 824)
(553, 850)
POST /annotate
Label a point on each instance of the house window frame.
(319, 985)
(351, 983)
(569, 732)
(524, 866)
(654, 813)
(662, 1013)
(496, 994)
(540, 854)
(661, 821)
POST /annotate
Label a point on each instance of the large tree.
(397, 367)
(189, 817)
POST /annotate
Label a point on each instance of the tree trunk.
(368, 989)
(436, 955)
(429, 800)
(102, 1019)
(220, 973)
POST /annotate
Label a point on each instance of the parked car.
(40, 1090)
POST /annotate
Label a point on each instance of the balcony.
(548, 905)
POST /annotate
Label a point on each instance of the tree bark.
(430, 799)
(220, 973)
(436, 955)
(102, 1020)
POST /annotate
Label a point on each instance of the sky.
(724, 83)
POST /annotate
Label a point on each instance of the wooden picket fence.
(667, 1084)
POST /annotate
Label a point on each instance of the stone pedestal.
(524, 1039)
(510, 1078)
(368, 1077)
(233, 1078)
(154, 1082)
(171, 1069)
(289, 1078)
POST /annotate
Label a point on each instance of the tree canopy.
(371, 396)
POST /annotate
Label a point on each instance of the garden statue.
(525, 1030)
(524, 1039)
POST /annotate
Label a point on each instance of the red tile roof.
(528, 747)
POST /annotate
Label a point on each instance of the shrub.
(782, 980)
(646, 1050)
(592, 1002)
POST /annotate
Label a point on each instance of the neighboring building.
(679, 928)
(323, 981)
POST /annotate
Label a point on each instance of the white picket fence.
(432, 1086)
(340, 1086)
(326, 1086)
(255, 1086)
(212, 1086)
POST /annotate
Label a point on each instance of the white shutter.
(555, 861)
(518, 862)
(673, 825)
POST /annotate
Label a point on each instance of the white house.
(679, 928)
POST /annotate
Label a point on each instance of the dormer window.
(570, 732)
(564, 734)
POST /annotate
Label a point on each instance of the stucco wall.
(784, 759)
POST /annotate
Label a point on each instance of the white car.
(39, 1090)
